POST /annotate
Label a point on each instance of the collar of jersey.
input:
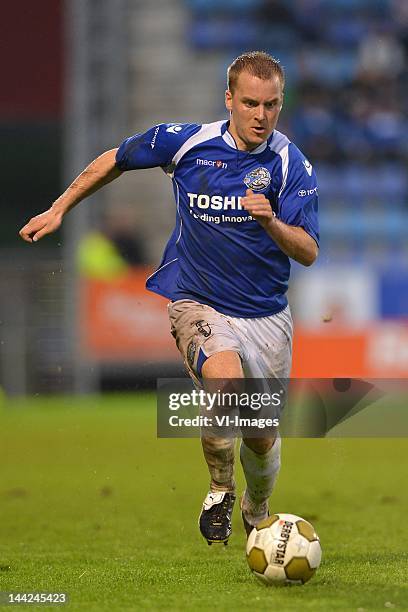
(228, 138)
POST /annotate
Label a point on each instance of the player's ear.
(228, 100)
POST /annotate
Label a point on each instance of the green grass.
(92, 503)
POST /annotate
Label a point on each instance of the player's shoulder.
(198, 136)
(291, 156)
(189, 129)
(280, 144)
(177, 131)
(171, 135)
(297, 157)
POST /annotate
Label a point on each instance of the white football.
(283, 548)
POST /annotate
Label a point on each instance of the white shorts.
(264, 344)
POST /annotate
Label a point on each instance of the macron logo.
(308, 166)
(210, 162)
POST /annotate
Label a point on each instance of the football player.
(246, 203)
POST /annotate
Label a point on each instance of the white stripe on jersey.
(207, 132)
(280, 144)
(284, 153)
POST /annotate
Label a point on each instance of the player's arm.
(100, 172)
(295, 228)
(152, 149)
(294, 241)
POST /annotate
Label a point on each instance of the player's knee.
(259, 445)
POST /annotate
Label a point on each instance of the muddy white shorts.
(264, 344)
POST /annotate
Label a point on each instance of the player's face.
(254, 105)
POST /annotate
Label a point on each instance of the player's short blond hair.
(257, 63)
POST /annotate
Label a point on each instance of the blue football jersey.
(218, 254)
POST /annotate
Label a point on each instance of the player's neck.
(240, 144)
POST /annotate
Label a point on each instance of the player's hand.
(258, 207)
(41, 225)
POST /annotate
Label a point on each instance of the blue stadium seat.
(394, 292)
(232, 7)
(332, 67)
(363, 183)
(344, 32)
(223, 34)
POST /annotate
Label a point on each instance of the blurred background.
(81, 75)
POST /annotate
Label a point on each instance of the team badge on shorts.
(258, 179)
(203, 328)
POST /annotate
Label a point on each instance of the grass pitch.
(91, 503)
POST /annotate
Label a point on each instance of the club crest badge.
(258, 179)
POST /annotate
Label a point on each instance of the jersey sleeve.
(154, 148)
(298, 196)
